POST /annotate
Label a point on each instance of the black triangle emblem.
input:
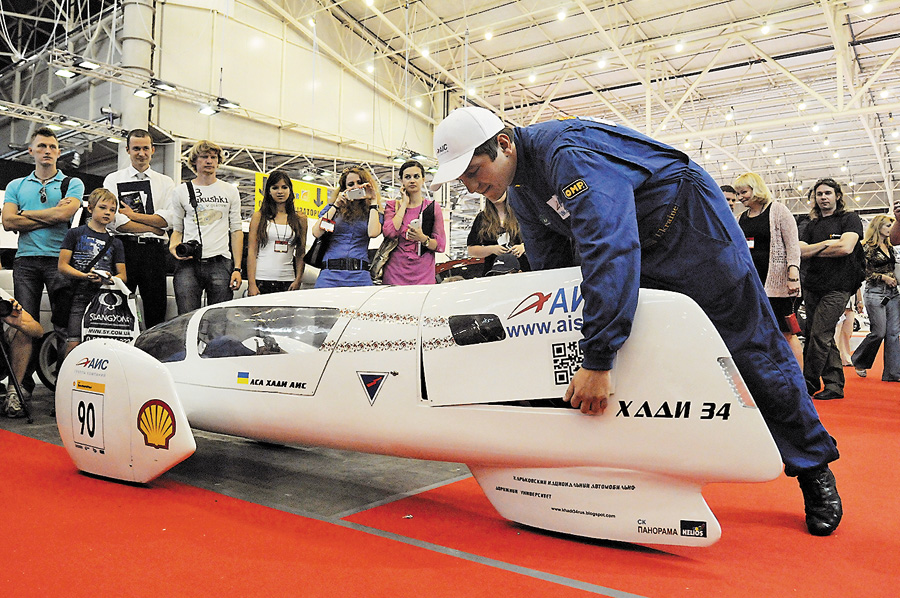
(372, 382)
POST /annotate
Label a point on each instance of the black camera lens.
(189, 249)
(6, 308)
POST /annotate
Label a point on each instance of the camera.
(189, 249)
(884, 301)
(6, 308)
(356, 193)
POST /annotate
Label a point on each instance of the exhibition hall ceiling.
(795, 90)
(792, 89)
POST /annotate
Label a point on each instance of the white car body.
(456, 372)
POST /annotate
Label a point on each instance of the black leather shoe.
(821, 501)
(827, 395)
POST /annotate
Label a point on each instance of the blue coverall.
(637, 212)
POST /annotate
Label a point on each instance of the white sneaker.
(13, 404)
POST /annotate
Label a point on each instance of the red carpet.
(65, 534)
(765, 549)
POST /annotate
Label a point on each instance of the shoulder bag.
(61, 297)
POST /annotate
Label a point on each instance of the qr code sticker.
(567, 358)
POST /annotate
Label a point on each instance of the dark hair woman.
(277, 240)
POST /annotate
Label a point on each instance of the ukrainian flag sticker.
(243, 378)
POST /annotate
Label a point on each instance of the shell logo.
(156, 421)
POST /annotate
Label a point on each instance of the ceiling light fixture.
(87, 64)
(223, 103)
(766, 28)
(143, 93)
(801, 106)
(561, 15)
(162, 85)
(532, 78)
(207, 110)
(679, 46)
(488, 35)
(868, 7)
(65, 73)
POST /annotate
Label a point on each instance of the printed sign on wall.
(309, 199)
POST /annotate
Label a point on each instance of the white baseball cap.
(456, 138)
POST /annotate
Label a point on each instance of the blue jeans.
(212, 275)
(30, 276)
(883, 307)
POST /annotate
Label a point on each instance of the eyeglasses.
(43, 194)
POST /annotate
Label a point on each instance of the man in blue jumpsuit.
(635, 212)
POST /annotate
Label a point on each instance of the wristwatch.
(237, 269)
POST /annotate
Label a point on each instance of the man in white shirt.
(206, 214)
(144, 198)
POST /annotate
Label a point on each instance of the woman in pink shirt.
(419, 225)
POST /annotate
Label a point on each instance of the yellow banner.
(309, 199)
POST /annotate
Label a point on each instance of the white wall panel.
(269, 66)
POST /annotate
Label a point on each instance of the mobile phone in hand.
(356, 193)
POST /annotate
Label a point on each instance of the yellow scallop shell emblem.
(156, 421)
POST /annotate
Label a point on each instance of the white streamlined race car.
(471, 371)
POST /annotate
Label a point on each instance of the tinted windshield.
(166, 341)
(263, 330)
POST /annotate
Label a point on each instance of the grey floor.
(311, 481)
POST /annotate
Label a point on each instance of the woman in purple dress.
(419, 224)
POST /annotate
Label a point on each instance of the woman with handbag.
(277, 240)
(346, 225)
(418, 225)
(882, 302)
(772, 237)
